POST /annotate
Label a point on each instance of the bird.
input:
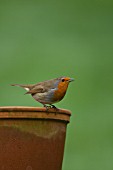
(48, 92)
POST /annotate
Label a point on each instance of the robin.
(48, 92)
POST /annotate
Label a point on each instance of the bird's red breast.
(61, 90)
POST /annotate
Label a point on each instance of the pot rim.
(27, 112)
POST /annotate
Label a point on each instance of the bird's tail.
(26, 87)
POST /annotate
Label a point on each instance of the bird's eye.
(63, 80)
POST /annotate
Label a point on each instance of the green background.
(41, 40)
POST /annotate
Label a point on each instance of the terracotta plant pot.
(32, 138)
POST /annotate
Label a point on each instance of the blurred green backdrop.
(40, 40)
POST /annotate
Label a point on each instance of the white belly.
(43, 98)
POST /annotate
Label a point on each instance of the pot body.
(32, 138)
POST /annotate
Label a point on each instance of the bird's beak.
(71, 79)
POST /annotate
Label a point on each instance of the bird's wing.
(42, 87)
(36, 89)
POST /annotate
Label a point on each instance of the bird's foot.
(51, 106)
(54, 107)
(47, 107)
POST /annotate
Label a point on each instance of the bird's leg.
(47, 107)
(44, 105)
(54, 107)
